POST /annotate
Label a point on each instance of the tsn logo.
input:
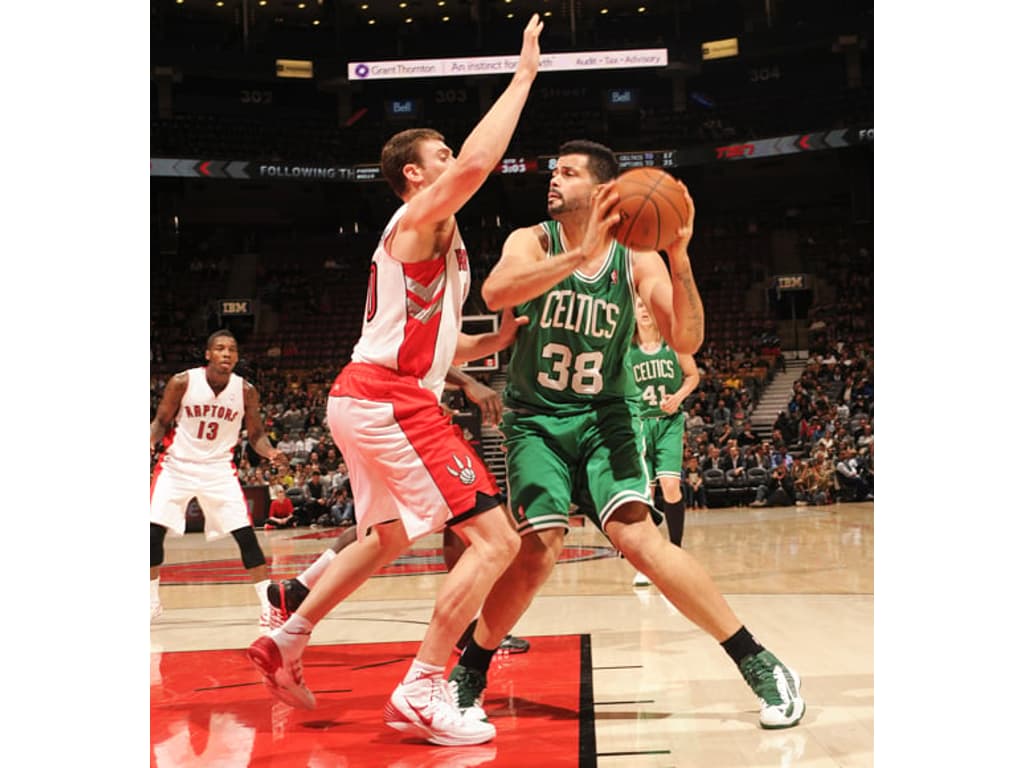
(734, 150)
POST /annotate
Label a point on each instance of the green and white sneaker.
(778, 688)
(468, 687)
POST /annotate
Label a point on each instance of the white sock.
(312, 575)
(261, 593)
(154, 591)
(293, 635)
(419, 670)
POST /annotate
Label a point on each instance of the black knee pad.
(156, 544)
(252, 555)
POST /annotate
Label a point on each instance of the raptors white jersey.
(207, 425)
(414, 312)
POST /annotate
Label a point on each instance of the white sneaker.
(778, 688)
(283, 677)
(468, 686)
(640, 580)
(426, 708)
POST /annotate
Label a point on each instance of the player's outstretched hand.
(603, 217)
(529, 56)
(508, 327)
(685, 232)
(486, 399)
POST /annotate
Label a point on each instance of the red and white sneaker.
(426, 708)
(272, 618)
(283, 677)
(277, 617)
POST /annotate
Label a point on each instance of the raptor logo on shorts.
(464, 472)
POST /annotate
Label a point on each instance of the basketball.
(651, 206)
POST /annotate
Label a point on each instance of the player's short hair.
(219, 333)
(401, 149)
(600, 159)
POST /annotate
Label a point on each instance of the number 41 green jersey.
(654, 375)
(571, 354)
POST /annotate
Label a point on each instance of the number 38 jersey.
(207, 425)
(571, 354)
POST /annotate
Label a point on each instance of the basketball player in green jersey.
(569, 432)
(661, 379)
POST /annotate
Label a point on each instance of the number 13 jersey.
(571, 354)
(207, 425)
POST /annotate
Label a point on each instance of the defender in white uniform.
(405, 460)
(199, 419)
(412, 472)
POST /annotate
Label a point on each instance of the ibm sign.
(236, 307)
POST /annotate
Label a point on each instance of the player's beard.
(560, 207)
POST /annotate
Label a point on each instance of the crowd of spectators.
(821, 448)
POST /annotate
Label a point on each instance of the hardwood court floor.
(663, 693)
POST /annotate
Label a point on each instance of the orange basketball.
(651, 206)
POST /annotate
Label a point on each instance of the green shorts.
(591, 458)
(663, 445)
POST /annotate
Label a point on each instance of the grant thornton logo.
(362, 70)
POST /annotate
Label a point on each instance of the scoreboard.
(657, 158)
(513, 165)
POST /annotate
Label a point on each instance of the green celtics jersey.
(571, 354)
(655, 376)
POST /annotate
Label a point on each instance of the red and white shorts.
(405, 459)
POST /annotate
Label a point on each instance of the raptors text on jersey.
(208, 424)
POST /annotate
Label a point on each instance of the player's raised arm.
(671, 294)
(485, 145)
(475, 346)
(524, 271)
(522, 254)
